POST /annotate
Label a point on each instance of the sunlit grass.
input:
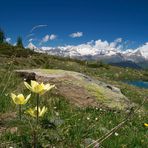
(65, 125)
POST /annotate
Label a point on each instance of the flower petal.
(44, 109)
(21, 96)
(31, 112)
(34, 84)
(28, 97)
(146, 124)
(48, 86)
(39, 88)
(13, 96)
(28, 86)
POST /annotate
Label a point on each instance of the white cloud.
(116, 42)
(90, 48)
(38, 26)
(144, 50)
(8, 40)
(96, 48)
(101, 44)
(52, 37)
(47, 38)
(76, 34)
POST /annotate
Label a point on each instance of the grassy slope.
(74, 125)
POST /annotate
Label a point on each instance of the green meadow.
(65, 125)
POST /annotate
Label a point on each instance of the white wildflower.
(96, 119)
(116, 134)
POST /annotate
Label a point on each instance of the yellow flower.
(146, 124)
(38, 88)
(33, 112)
(20, 99)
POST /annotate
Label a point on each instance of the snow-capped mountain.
(31, 46)
(97, 50)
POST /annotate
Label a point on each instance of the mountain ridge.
(89, 52)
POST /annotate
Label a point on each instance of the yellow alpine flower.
(146, 124)
(33, 112)
(20, 99)
(38, 88)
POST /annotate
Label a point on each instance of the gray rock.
(79, 89)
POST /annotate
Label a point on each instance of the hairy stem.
(37, 104)
(37, 121)
(35, 141)
(20, 111)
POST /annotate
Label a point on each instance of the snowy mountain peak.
(97, 50)
(31, 46)
(144, 50)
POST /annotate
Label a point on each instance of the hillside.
(125, 64)
(68, 125)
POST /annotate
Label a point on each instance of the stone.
(80, 89)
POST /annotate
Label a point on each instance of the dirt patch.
(5, 117)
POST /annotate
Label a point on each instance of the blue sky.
(88, 19)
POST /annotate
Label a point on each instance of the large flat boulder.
(80, 89)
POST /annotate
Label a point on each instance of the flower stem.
(37, 104)
(37, 121)
(35, 140)
(20, 111)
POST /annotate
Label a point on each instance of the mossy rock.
(79, 89)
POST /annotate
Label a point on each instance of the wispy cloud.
(38, 26)
(30, 40)
(76, 34)
(30, 35)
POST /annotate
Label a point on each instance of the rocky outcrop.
(80, 89)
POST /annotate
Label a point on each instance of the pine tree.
(19, 42)
(2, 36)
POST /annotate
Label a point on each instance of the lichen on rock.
(80, 89)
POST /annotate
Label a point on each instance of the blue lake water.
(141, 84)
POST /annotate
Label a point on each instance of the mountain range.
(109, 53)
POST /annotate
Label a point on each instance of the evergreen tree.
(19, 42)
(2, 36)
